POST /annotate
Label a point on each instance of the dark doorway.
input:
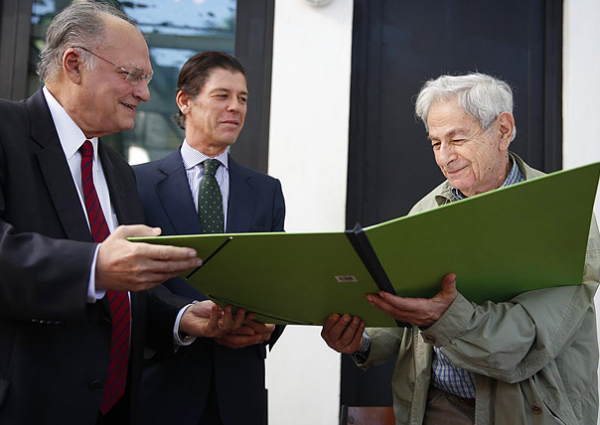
(254, 49)
(397, 46)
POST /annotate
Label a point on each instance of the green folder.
(504, 242)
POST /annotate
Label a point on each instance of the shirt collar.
(192, 157)
(70, 135)
(515, 176)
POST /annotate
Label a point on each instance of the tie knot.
(87, 150)
(210, 166)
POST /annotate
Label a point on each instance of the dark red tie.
(119, 301)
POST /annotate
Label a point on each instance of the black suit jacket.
(175, 390)
(54, 346)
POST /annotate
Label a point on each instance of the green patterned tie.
(210, 200)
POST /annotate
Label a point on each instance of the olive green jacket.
(535, 357)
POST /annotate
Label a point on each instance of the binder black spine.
(229, 239)
(363, 248)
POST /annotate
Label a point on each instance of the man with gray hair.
(73, 303)
(531, 360)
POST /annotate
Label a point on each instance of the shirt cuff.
(94, 295)
(177, 336)
(363, 352)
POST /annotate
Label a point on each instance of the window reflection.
(175, 30)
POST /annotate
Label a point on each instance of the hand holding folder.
(417, 311)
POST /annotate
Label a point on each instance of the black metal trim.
(15, 18)
(254, 49)
(553, 86)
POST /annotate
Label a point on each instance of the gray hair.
(482, 96)
(81, 23)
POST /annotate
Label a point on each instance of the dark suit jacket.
(175, 390)
(54, 346)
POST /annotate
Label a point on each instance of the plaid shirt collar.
(515, 176)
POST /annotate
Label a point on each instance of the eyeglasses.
(133, 77)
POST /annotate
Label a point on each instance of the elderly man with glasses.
(531, 360)
(74, 311)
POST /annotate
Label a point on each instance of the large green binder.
(527, 236)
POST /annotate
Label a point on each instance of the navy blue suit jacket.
(175, 389)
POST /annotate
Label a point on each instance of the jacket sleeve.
(385, 344)
(512, 341)
(163, 308)
(277, 224)
(42, 278)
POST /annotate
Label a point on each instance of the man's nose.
(446, 152)
(235, 105)
(142, 91)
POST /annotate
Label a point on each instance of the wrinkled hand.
(417, 311)
(132, 266)
(206, 319)
(250, 333)
(344, 334)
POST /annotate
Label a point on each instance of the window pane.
(175, 30)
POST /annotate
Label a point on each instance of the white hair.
(482, 96)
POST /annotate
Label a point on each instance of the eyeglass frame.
(130, 77)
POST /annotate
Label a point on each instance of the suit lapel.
(55, 170)
(242, 200)
(172, 189)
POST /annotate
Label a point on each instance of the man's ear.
(183, 101)
(506, 127)
(72, 65)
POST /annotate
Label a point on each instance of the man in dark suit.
(220, 380)
(72, 317)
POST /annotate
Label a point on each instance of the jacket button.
(430, 339)
(105, 324)
(536, 409)
(95, 385)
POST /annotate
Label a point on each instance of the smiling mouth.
(127, 105)
(455, 171)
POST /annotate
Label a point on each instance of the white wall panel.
(308, 152)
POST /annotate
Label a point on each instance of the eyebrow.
(134, 65)
(449, 134)
(218, 89)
